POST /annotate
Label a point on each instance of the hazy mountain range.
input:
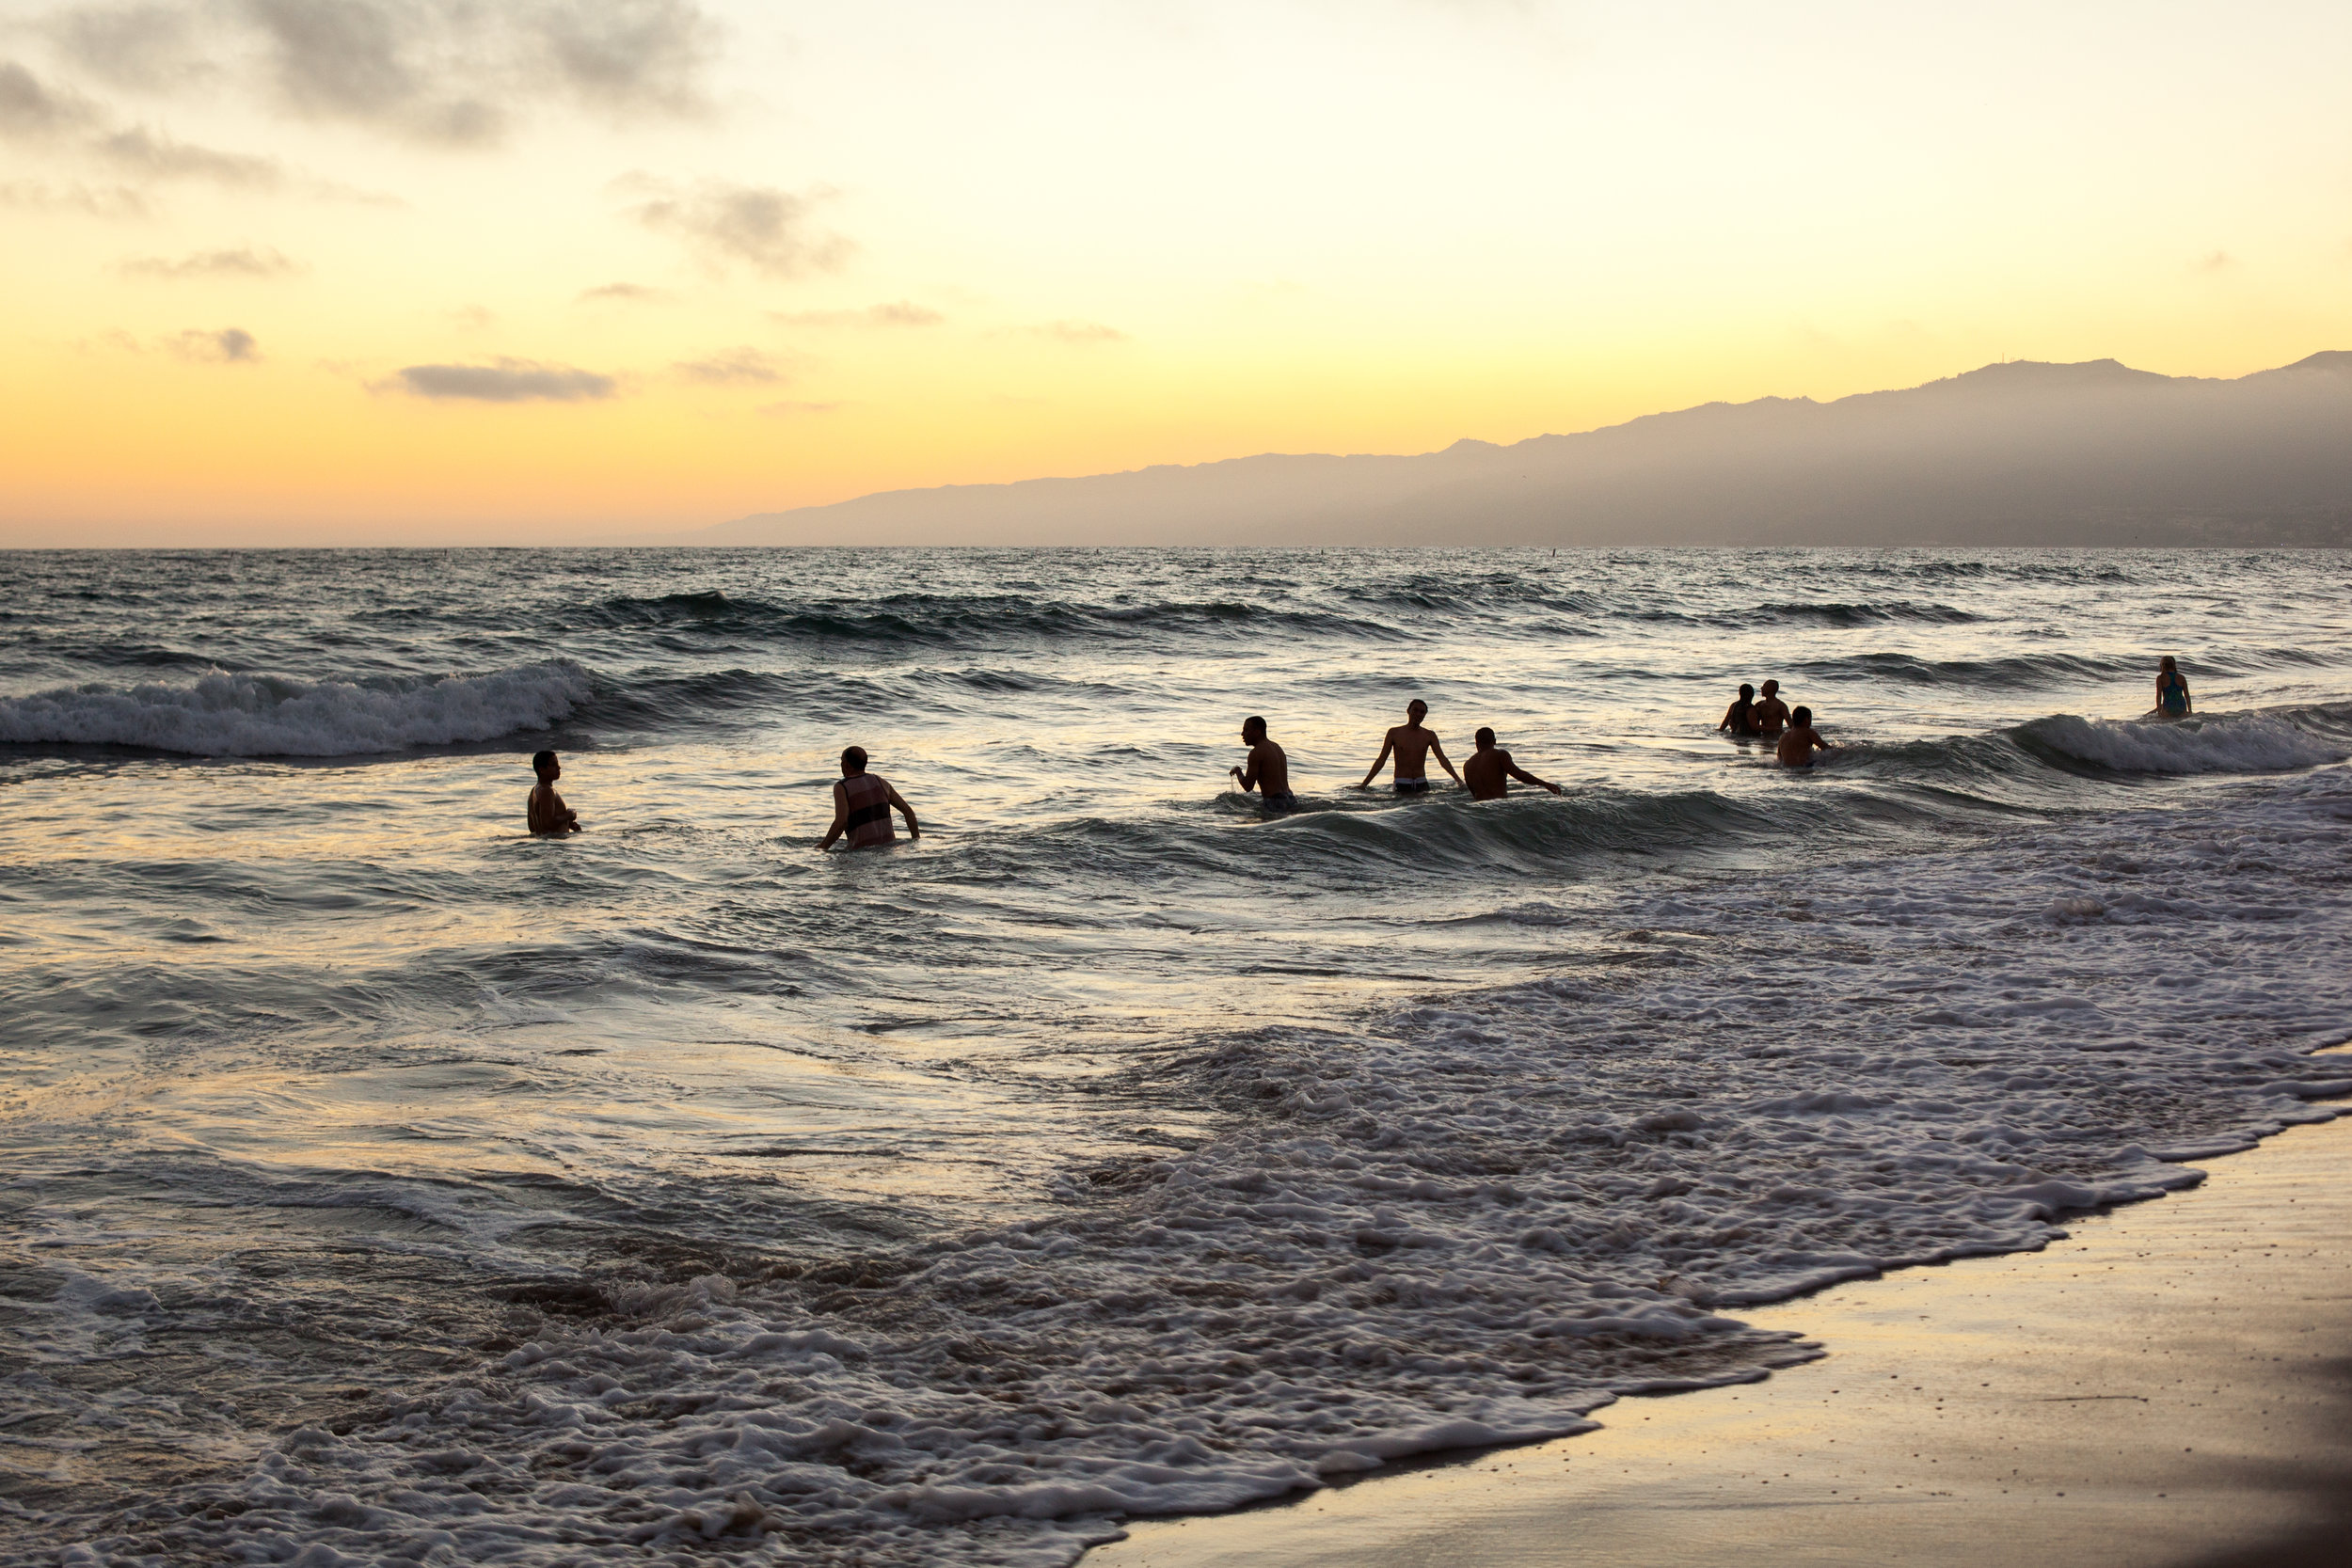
(2017, 453)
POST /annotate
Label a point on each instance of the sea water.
(386, 1186)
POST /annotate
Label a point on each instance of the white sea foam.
(259, 716)
(2225, 743)
(1472, 1224)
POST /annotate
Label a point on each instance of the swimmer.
(548, 817)
(1739, 718)
(1770, 713)
(861, 806)
(1489, 772)
(1269, 770)
(1797, 747)
(2172, 689)
(1412, 743)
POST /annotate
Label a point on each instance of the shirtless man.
(1269, 770)
(548, 817)
(1797, 747)
(862, 804)
(1489, 772)
(1771, 713)
(1412, 743)
(1739, 718)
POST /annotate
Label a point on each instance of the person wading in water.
(862, 803)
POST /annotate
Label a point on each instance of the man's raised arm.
(1524, 776)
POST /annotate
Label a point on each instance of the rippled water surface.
(383, 1181)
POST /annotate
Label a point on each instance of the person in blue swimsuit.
(2172, 689)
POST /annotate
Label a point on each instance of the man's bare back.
(1489, 772)
(1411, 743)
(544, 811)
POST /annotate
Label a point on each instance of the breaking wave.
(267, 716)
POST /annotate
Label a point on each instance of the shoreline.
(2167, 1387)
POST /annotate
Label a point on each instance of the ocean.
(384, 1185)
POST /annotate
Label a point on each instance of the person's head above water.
(2166, 662)
(1802, 716)
(1770, 687)
(1747, 692)
(545, 765)
(1416, 711)
(1253, 728)
(852, 761)
(1484, 738)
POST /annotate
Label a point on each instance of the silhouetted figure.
(1771, 713)
(1269, 770)
(1490, 770)
(1797, 747)
(1412, 744)
(862, 804)
(544, 811)
(2172, 689)
(1739, 718)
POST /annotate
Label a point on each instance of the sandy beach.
(2169, 1387)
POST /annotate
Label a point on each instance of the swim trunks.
(1410, 786)
(1279, 800)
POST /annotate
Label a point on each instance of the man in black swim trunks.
(1269, 770)
(1412, 742)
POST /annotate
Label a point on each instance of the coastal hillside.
(2018, 453)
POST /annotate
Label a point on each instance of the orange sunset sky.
(363, 271)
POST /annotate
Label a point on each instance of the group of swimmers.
(1486, 773)
(1767, 718)
(862, 801)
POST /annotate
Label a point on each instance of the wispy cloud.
(146, 47)
(99, 201)
(244, 261)
(228, 345)
(33, 112)
(2217, 261)
(1079, 332)
(503, 381)
(621, 293)
(903, 312)
(141, 151)
(771, 231)
(734, 367)
(29, 111)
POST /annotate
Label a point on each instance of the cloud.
(902, 313)
(245, 262)
(503, 381)
(630, 56)
(459, 71)
(1077, 332)
(29, 111)
(2220, 262)
(621, 293)
(229, 345)
(101, 201)
(736, 367)
(148, 48)
(767, 227)
(138, 150)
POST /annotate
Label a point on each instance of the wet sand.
(2171, 1388)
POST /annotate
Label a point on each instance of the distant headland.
(2016, 454)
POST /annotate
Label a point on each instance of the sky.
(454, 271)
